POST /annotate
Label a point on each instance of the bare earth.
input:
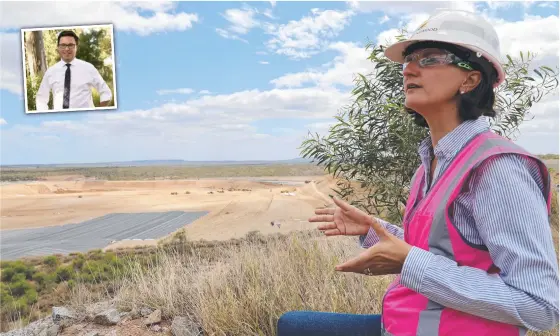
(232, 213)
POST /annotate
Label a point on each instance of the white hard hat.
(462, 28)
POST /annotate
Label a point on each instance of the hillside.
(178, 284)
(196, 279)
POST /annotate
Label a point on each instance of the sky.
(234, 80)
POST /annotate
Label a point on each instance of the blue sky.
(233, 80)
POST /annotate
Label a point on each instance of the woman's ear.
(471, 82)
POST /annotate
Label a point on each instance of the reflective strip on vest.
(427, 226)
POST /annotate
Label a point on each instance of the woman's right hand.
(343, 220)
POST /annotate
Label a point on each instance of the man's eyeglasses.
(66, 46)
(435, 57)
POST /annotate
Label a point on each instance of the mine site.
(62, 214)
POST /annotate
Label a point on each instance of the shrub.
(7, 274)
(51, 261)
(78, 263)
(19, 287)
(64, 273)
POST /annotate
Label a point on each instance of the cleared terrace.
(92, 234)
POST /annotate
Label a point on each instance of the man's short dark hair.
(473, 104)
(68, 33)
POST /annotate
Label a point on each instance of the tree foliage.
(373, 148)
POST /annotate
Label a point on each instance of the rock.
(145, 311)
(156, 328)
(99, 307)
(43, 327)
(108, 317)
(52, 330)
(111, 333)
(93, 333)
(153, 318)
(62, 316)
(182, 326)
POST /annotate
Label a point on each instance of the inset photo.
(67, 69)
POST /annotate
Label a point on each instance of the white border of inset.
(115, 99)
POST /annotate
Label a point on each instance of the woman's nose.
(411, 69)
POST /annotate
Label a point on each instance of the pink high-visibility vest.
(427, 226)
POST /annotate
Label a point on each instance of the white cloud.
(203, 92)
(242, 20)
(295, 39)
(124, 16)
(409, 22)
(179, 91)
(408, 7)
(352, 59)
(3, 121)
(500, 5)
(534, 33)
(272, 3)
(228, 35)
(546, 4)
(155, 6)
(539, 133)
(264, 62)
(209, 127)
(384, 19)
(284, 130)
(307, 36)
(233, 110)
(11, 78)
(268, 13)
(321, 127)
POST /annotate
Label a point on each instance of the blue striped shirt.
(502, 208)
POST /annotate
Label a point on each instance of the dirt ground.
(236, 206)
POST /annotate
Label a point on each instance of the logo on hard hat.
(423, 25)
(420, 30)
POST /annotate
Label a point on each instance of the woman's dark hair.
(475, 103)
(67, 33)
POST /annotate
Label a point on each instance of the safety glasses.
(435, 57)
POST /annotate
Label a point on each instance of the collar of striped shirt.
(451, 143)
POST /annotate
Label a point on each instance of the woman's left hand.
(385, 257)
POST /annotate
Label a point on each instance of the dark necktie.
(66, 97)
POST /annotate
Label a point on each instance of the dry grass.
(248, 286)
(254, 284)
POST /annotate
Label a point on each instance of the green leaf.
(538, 73)
(509, 58)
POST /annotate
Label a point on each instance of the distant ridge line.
(160, 163)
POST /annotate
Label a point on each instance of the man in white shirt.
(71, 80)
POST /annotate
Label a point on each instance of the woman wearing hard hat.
(475, 255)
